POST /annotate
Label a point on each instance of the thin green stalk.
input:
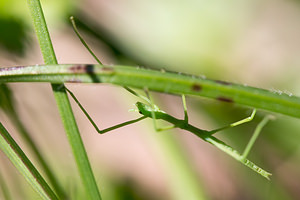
(23, 164)
(154, 80)
(85, 171)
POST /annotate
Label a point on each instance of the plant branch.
(154, 80)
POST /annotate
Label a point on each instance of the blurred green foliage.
(12, 35)
(15, 21)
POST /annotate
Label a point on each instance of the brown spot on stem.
(223, 82)
(196, 87)
(74, 80)
(107, 69)
(78, 68)
(11, 68)
(225, 99)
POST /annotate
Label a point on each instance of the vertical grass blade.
(63, 103)
(23, 164)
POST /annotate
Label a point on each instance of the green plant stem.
(155, 80)
(66, 113)
(23, 164)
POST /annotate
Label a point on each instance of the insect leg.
(245, 120)
(94, 124)
(78, 103)
(186, 117)
(82, 40)
(155, 108)
(255, 135)
(137, 94)
(97, 59)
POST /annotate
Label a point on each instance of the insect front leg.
(95, 125)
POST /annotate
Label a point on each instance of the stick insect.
(150, 110)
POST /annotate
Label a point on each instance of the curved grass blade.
(6, 103)
(154, 80)
(23, 164)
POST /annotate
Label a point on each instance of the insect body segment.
(159, 114)
(148, 111)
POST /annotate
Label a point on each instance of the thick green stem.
(167, 82)
(63, 103)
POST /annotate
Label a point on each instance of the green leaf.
(12, 35)
(23, 164)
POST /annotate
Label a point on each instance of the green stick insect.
(150, 110)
